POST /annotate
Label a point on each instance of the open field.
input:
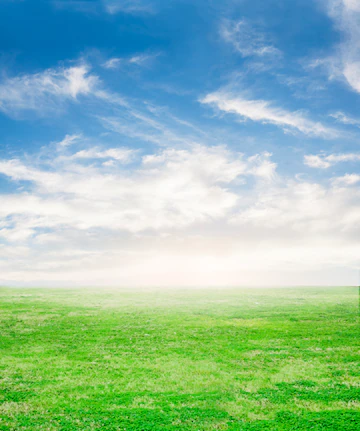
(255, 359)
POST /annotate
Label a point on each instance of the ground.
(155, 359)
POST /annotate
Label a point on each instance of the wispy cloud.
(147, 126)
(45, 90)
(68, 140)
(248, 40)
(323, 161)
(142, 59)
(124, 155)
(109, 6)
(345, 119)
(305, 87)
(345, 64)
(265, 112)
(49, 91)
(128, 6)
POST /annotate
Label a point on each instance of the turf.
(226, 359)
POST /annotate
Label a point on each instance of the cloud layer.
(88, 208)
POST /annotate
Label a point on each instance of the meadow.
(152, 359)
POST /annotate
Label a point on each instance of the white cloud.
(68, 140)
(247, 40)
(345, 119)
(346, 62)
(48, 91)
(109, 6)
(124, 155)
(128, 6)
(264, 112)
(315, 161)
(326, 161)
(142, 60)
(171, 189)
(347, 180)
(44, 91)
(226, 218)
(16, 170)
(304, 208)
(352, 5)
(113, 63)
(352, 73)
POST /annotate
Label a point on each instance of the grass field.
(231, 359)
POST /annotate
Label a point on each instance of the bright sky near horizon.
(179, 142)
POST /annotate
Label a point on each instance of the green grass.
(231, 359)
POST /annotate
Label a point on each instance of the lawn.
(151, 359)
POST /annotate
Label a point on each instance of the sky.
(179, 142)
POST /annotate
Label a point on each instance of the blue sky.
(179, 142)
